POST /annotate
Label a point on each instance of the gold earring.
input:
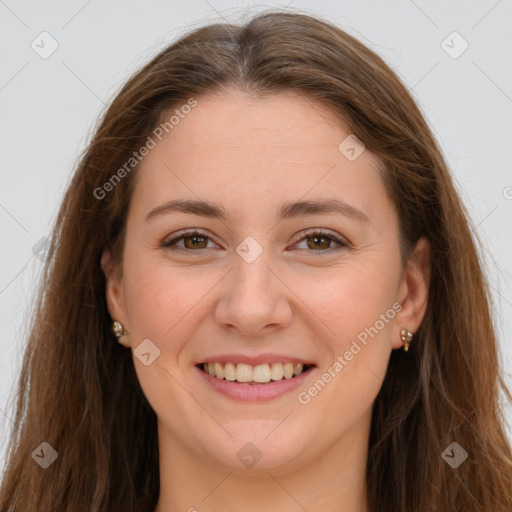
(118, 329)
(406, 338)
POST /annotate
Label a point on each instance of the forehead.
(287, 125)
(251, 152)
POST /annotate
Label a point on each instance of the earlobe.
(114, 295)
(413, 294)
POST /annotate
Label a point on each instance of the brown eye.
(191, 240)
(321, 241)
(195, 242)
(317, 241)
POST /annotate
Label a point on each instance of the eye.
(322, 240)
(192, 240)
(318, 240)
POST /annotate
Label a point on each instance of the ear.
(114, 293)
(413, 292)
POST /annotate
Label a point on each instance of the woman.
(262, 292)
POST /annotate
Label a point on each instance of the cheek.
(165, 302)
(350, 298)
(355, 307)
(165, 305)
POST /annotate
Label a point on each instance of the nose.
(255, 300)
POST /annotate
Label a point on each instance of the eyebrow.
(285, 211)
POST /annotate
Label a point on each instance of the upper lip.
(253, 360)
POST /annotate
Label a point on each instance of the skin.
(294, 299)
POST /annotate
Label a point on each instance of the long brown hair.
(78, 390)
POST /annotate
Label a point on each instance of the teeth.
(219, 372)
(288, 370)
(260, 374)
(243, 372)
(276, 371)
(229, 371)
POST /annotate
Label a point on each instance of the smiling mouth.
(260, 374)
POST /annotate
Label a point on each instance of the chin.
(262, 449)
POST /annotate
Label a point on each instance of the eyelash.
(305, 235)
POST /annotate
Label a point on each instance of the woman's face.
(256, 288)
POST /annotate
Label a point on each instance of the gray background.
(49, 106)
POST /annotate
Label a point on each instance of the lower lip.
(257, 392)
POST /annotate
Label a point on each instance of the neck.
(333, 481)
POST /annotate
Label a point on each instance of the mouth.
(258, 375)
